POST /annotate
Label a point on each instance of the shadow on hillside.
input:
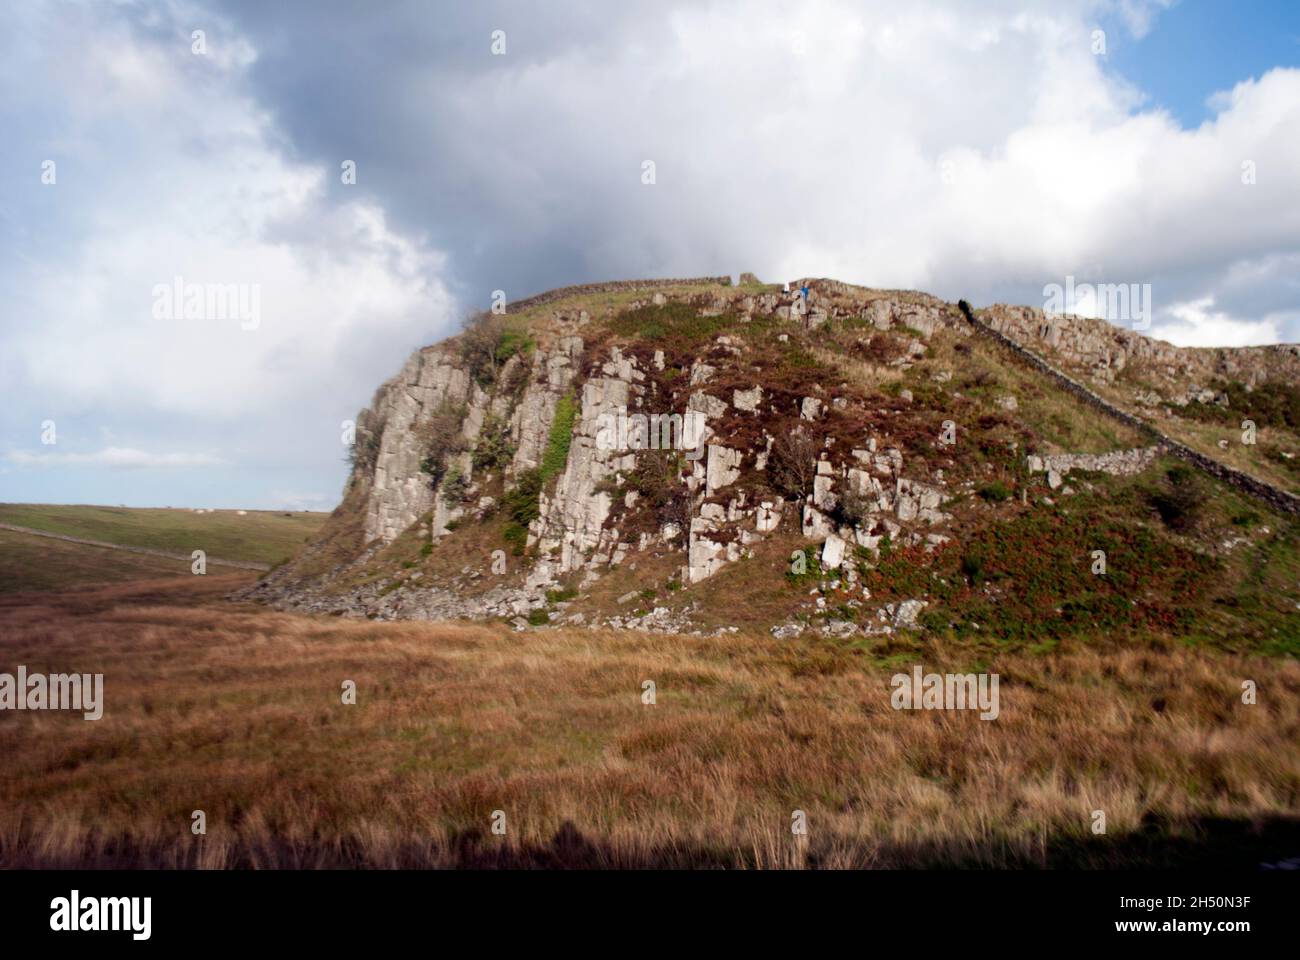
(1200, 845)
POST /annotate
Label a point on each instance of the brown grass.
(236, 711)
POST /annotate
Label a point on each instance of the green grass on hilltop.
(261, 536)
(29, 562)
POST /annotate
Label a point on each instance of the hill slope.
(47, 546)
(874, 465)
(260, 536)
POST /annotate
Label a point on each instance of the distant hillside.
(875, 466)
(31, 562)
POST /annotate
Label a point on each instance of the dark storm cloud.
(413, 94)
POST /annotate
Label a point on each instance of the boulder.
(833, 552)
(701, 373)
(748, 400)
(723, 467)
(906, 612)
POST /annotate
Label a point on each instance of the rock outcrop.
(447, 443)
(1104, 350)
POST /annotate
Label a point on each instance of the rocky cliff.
(686, 427)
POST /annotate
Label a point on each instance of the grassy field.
(263, 536)
(38, 563)
(237, 711)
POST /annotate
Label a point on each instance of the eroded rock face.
(400, 490)
(723, 467)
(431, 383)
(572, 521)
(706, 556)
(1104, 349)
(590, 517)
(576, 528)
(530, 425)
(571, 530)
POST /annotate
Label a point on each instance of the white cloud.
(181, 173)
(831, 162)
(1198, 324)
(1138, 15)
(303, 500)
(117, 458)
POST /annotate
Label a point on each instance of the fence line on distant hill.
(1260, 489)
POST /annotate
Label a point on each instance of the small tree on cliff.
(478, 345)
(792, 466)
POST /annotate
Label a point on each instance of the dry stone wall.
(1274, 496)
(611, 286)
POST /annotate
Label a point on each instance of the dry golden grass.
(1058, 420)
(1204, 436)
(859, 372)
(1249, 458)
(236, 711)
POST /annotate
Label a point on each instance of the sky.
(342, 182)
